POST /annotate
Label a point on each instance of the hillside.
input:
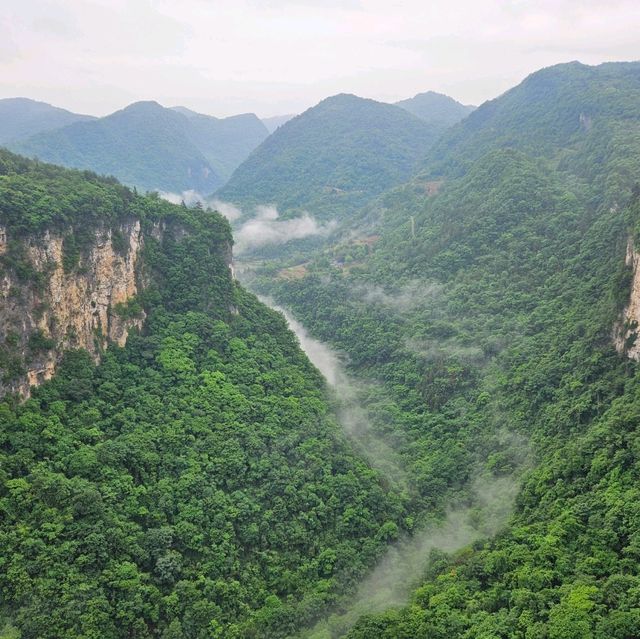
(276, 121)
(143, 145)
(436, 108)
(21, 118)
(481, 310)
(332, 158)
(185, 480)
(225, 142)
(551, 113)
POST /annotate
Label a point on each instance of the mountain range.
(334, 157)
(171, 463)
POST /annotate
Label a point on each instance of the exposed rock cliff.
(85, 306)
(625, 333)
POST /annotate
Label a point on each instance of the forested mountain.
(21, 118)
(144, 145)
(481, 307)
(436, 108)
(193, 483)
(152, 148)
(276, 121)
(548, 114)
(333, 157)
(179, 472)
(225, 142)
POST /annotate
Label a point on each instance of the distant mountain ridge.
(23, 117)
(277, 121)
(225, 142)
(151, 147)
(436, 108)
(333, 157)
(143, 145)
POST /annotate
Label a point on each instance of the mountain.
(277, 121)
(151, 147)
(21, 118)
(524, 117)
(144, 145)
(490, 310)
(176, 471)
(332, 158)
(225, 142)
(436, 108)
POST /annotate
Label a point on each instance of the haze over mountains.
(182, 471)
(334, 157)
(177, 149)
(21, 118)
(151, 147)
(436, 108)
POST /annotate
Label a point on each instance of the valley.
(377, 380)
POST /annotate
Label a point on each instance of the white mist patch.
(266, 229)
(350, 412)
(404, 564)
(399, 572)
(433, 351)
(231, 212)
(411, 295)
(321, 356)
(189, 197)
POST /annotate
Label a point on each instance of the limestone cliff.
(57, 308)
(625, 334)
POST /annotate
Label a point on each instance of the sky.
(274, 57)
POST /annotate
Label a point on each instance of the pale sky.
(282, 56)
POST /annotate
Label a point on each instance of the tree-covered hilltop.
(194, 483)
(150, 147)
(332, 158)
(436, 108)
(21, 118)
(552, 114)
(143, 145)
(481, 308)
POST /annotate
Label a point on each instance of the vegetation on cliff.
(194, 483)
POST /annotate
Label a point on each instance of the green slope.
(332, 158)
(436, 108)
(21, 118)
(143, 145)
(483, 316)
(225, 142)
(194, 484)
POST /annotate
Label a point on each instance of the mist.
(480, 514)
(411, 295)
(189, 197)
(231, 212)
(266, 228)
(404, 564)
(350, 411)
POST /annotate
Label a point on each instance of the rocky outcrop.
(86, 306)
(625, 333)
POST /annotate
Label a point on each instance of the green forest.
(480, 440)
(485, 314)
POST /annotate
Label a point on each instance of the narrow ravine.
(399, 571)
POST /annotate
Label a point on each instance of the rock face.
(84, 306)
(625, 334)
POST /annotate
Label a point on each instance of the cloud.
(375, 48)
(413, 294)
(267, 229)
(189, 197)
(231, 212)
(350, 411)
